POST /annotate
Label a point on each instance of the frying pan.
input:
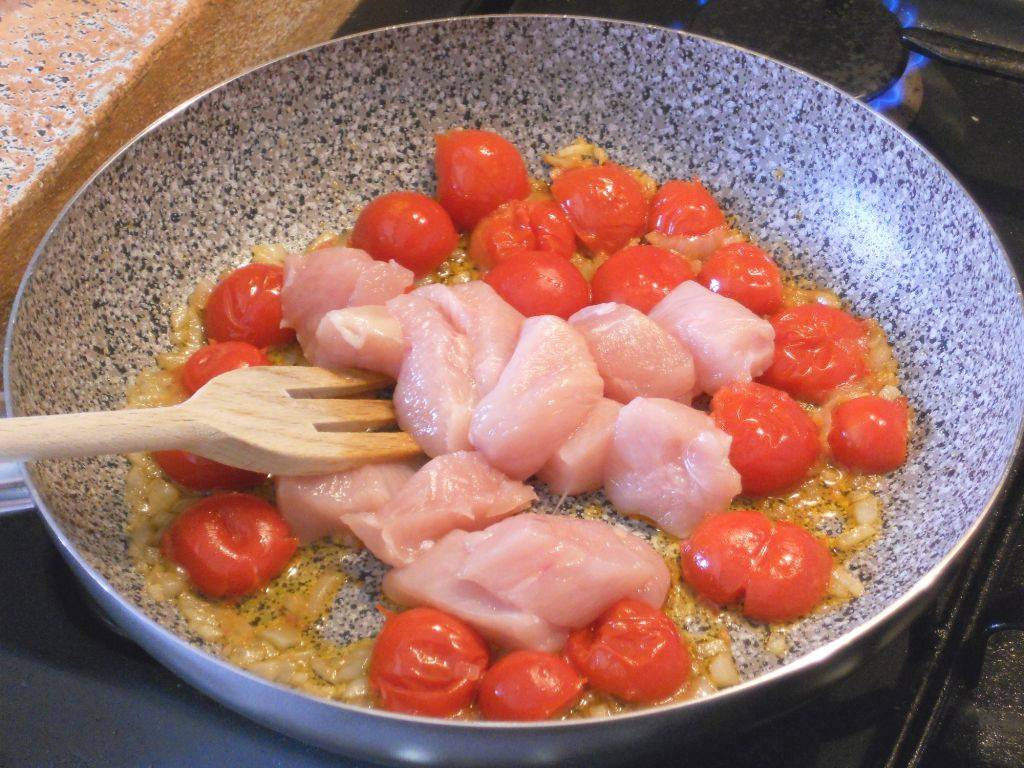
(838, 194)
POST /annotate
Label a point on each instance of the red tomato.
(870, 433)
(774, 441)
(246, 306)
(639, 275)
(476, 172)
(632, 651)
(605, 205)
(230, 544)
(685, 208)
(745, 273)
(217, 358)
(520, 226)
(408, 227)
(426, 662)
(779, 570)
(199, 474)
(817, 348)
(529, 685)
(540, 283)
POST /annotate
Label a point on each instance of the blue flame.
(904, 12)
(889, 98)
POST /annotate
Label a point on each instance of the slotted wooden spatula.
(282, 420)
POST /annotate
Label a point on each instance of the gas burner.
(853, 44)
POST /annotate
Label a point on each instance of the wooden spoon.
(281, 420)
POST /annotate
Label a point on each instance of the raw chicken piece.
(333, 278)
(380, 282)
(359, 337)
(491, 324)
(669, 463)
(528, 581)
(434, 393)
(457, 491)
(545, 392)
(728, 342)
(578, 464)
(316, 506)
(635, 356)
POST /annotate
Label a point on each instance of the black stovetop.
(950, 691)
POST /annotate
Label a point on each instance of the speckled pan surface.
(296, 147)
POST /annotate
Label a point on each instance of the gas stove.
(949, 691)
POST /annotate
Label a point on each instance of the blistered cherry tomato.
(520, 226)
(817, 348)
(685, 208)
(540, 283)
(426, 662)
(246, 306)
(774, 440)
(745, 273)
(605, 205)
(528, 685)
(870, 433)
(476, 172)
(408, 227)
(199, 474)
(639, 275)
(777, 569)
(230, 544)
(633, 651)
(217, 358)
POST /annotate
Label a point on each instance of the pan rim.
(918, 592)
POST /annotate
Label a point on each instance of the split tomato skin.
(518, 227)
(427, 662)
(777, 569)
(605, 205)
(632, 651)
(743, 272)
(685, 208)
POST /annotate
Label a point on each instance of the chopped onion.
(866, 510)
(851, 537)
(722, 671)
(844, 584)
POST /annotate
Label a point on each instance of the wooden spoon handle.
(99, 433)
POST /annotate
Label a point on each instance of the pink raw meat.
(578, 464)
(635, 356)
(334, 278)
(316, 506)
(490, 323)
(545, 392)
(434, 393)
(457, 491)
(359, 337)
(669, 463)
(529, 580)
(728, 342)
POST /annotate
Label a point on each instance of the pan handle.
(14, 495)
(964, 52)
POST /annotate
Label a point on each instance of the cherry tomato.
(774, 441)
(230, 544)
(870, 433)
(540, 283)
(408, 227)
(817, 348)
(199, 474)
(217, 358)
(520, 226)
(246, 306)
(632, 651)
(476, 172)
(426, 662)
(605, 205)
(779, 570)
(639, 275)
(745, 273)
(685, 208)
(529, 685)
